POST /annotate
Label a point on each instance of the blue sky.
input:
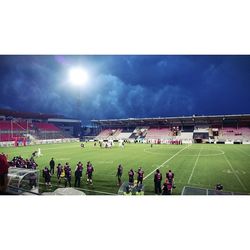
(123, 86)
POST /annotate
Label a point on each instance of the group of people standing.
(168, 185)
(165, 189)
(65, 173)
(131, 175)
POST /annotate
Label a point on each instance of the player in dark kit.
(170, 177)
(140, 174)
(167, 188)
(89, 173)
(59, 170)
(78, 174)
(47, 176)
(52, 166)
(119, 174)
(131, 177)
(67, 178)
(157, 181)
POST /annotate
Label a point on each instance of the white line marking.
(155, 153)
(207, 192)
(234, 172)
(205, 155)
(182, 192)
(191, 175)
(166, 162)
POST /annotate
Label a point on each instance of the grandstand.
(185, 129)
(21, 128)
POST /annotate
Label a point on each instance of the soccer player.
(119, 174)
(131, 177)
(4, 166)
(59, 172)
(167, 188)
(39, 153)
(47, 176)
(157, 181)
(78, 174)
(140, 174)
(170, 176)
(67, 171)
(89, 173)
(34, 154)
(52, 166)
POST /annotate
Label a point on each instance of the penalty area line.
(166, 162)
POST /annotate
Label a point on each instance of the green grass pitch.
(197, 165)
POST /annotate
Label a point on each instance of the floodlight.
(78, 76)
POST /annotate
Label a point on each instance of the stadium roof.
(27, 115)
(170, 121)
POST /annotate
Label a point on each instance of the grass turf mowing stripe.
(238, 178)
(243, 152)
(166, 162)
(234, 172)
(191, 175)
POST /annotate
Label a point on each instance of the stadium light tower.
(78, 76)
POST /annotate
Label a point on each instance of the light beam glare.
(78, 76)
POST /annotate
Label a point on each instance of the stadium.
(125, 125)
(201, 151)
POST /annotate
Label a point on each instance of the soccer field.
(196, 165)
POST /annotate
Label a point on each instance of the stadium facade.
(183, 129)
(25, 128)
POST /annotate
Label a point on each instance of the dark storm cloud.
(127, 86)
